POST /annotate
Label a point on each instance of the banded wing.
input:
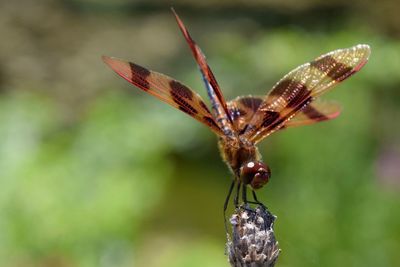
(166, 89)
(218, 102)
(313, 113)
(243, 108)
(301, 86)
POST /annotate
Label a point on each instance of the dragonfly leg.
(236, 199)
(256, 200)
(244, 193)
(227, 202)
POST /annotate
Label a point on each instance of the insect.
(244, 121)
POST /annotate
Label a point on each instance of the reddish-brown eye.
(255, 173)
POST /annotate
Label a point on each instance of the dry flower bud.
(253, 241)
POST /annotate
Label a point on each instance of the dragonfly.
(240, 124)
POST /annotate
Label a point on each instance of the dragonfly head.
(255, 173)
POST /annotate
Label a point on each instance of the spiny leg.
(246, 202)
(256, 200)
(236, 199)
(255, 196)
(226, 204)
(244, 193)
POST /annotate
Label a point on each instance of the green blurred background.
(94, 172)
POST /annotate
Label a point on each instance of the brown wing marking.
(218, 102)
(313, 113)
(301, 86)
(242, 109)
(166, 89)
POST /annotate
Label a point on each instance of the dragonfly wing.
(301, 86)
(315, 112)
(242, 109)
(166, 89)
(219, 106)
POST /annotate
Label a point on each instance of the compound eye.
(255, 173)
(261, 177)
(248, 172)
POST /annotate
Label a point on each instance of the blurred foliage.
(94, 172)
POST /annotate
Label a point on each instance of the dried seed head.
(253, 241)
